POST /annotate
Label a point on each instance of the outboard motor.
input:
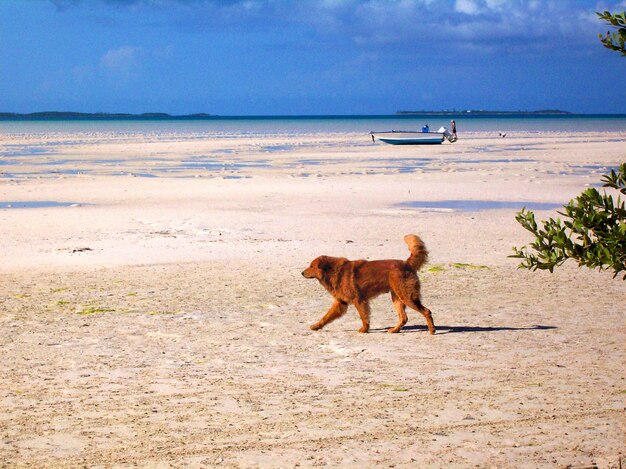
(447, 134)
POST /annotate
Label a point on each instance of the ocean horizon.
(250, 124)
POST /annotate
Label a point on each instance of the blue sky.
(280, 57)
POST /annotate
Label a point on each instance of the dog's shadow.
(457, 329)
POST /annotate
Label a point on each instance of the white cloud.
(123, 60)
(407, 24)
(468, 7)
(495, 3)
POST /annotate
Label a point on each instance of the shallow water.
(248, 149)
(254, 125)
(37, 204)
(478, 205)
(13, 151)
(208, 164)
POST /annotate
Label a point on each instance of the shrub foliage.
(614, 41)
(593, 231)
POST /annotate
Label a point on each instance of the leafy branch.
(593, 231)
(614, 41)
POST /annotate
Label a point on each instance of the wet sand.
(153, 311)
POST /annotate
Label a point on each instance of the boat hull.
(410, 138)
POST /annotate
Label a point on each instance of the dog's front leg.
(363, 308)
(402, 317)
(337, 310)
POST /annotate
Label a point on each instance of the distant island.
(156, 116)
(482, 112)
(56, 115)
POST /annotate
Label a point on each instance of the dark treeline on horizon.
(97, 115)
(61, 115)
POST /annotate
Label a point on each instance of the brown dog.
(357, 282)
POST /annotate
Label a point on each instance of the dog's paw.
(315, 326)
(364, 329)
(393, 330)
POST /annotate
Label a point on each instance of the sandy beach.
(153, 311)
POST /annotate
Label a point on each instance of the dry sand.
(159, 317)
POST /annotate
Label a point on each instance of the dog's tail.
(419, 254)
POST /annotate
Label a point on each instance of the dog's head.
(324, 267)
(319, 268)
(327, 270)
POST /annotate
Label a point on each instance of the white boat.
(410, 137)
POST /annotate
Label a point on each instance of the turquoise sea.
(325, 124)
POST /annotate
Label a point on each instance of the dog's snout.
(303, 274)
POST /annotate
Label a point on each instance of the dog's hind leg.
(363, 308)
(337, 310)
(407, 290)
(427, 314)
(402, 317)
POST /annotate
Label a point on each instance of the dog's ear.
(323, 263)
(326, 266)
